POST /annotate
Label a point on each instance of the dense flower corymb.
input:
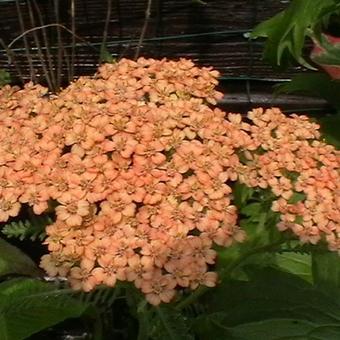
(138, 168)
(301, 171)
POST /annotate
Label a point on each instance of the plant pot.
(326, 54)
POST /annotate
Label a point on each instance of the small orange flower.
(9, 206)
(159, 289)
(72, 211)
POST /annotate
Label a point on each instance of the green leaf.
(326, 272)
(284, 329)
(28, 306)
(297, 197)
(330, 128)
(271, 305)
(252, 209)
(105, 55)
(210, 326)
(241, 193)
(287, 31)
(314, 84)
(328, 58)
(295, 263)
(14, 261)
(5, 78)
(263, 238)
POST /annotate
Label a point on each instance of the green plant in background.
(4, 78)
(286, 35)
(286, 32)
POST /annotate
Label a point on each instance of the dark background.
(211, 33)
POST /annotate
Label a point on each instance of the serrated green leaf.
(28, 306)
(14, 261)
(33, 229)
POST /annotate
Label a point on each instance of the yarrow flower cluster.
(137, 167)
(301, 171)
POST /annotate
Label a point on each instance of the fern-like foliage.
(194, 310)
(33, 229)
(102, 303)
(102, 297)
(170, 324)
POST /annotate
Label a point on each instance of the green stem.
(97, 326)
(166, 325)
(192, 297)
(143, 333)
